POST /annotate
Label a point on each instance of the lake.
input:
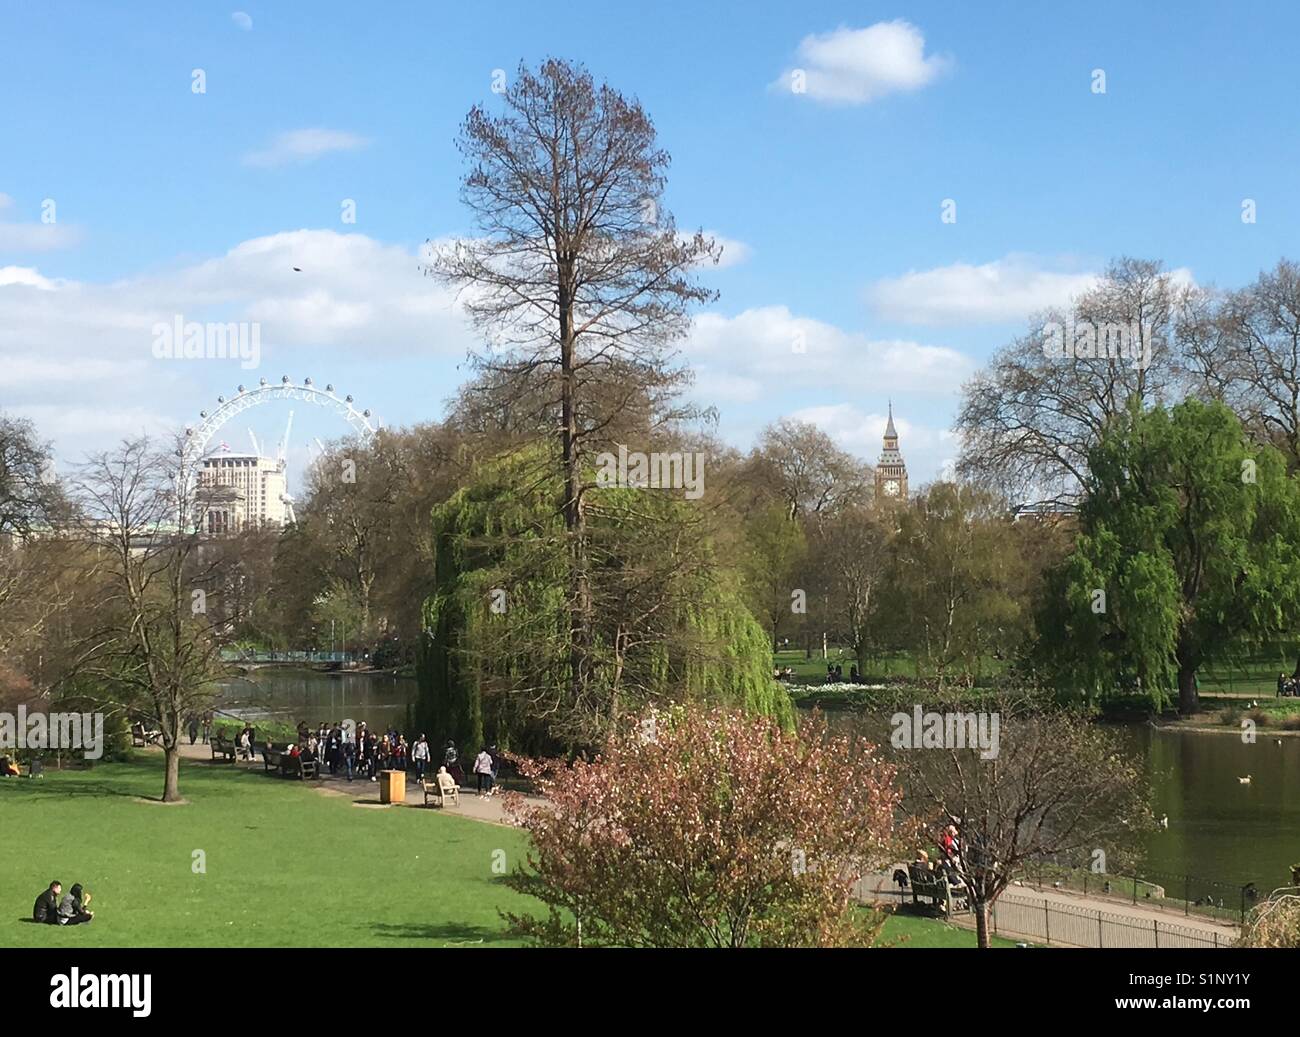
(288, 694)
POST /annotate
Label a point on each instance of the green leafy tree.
(955, 595)
(1188, 546)
(777, 550)
(668, 624)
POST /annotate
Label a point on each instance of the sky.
(164, 160)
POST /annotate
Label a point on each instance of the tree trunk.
(171, 782)
(1189, 701)
(981, 923)
(579, 587)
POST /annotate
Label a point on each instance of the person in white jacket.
(420, 756)
(483, 769)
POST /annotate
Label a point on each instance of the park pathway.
(1055, 916)
(363, 791)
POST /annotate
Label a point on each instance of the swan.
(1245, 780)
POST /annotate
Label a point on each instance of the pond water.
(1219, 829)
(288, 694)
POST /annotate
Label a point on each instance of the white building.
(243, 491)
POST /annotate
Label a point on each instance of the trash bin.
(392, 786)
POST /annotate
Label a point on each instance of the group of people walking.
(363, 753)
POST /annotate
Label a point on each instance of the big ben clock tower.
(891, 470)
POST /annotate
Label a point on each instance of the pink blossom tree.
(706, 828)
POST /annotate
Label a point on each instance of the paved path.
(363, 791)
(1025, 902)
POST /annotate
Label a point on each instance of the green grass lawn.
(286, 865)
(907, 930)
(813, 669)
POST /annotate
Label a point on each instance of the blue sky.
(169, 201)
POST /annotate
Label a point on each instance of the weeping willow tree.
(669, 626)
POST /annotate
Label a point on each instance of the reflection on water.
(282, 693)
(1220, 828)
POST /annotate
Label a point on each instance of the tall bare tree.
(155, 651)
(577, 274)
(1028, 420)
(1053, 789)
(1243, 347)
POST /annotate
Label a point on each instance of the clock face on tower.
(891, 487)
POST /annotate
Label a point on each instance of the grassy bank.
(285, 865)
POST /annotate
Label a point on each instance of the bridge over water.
(235, 655)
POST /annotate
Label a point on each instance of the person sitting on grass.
(46, 908)
(73, 907)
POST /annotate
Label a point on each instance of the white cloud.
(1008, 289)
(856, 66)
(5, 200)
(298, 146)
(86, 348)
(25, 276)
(242, 19)
(772, 348)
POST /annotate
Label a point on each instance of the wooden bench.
(439, 791)
(301, 768)
(289, 766)
(934, 887)
(140, 737)
(223, 747)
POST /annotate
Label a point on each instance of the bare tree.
(577, 274)
(809, 472)
(1243, 348)
(154, 652)
(30, 494)
(855, 551)
(1057, 791)
(1027, 421)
